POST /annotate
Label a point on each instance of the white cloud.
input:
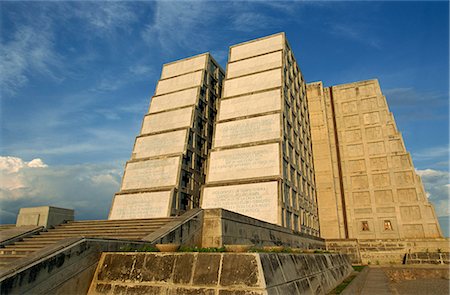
(30, 51)
(432, 153)
(180, 24)
(252, 21)
(437, 187)
(87, 188)
(411, 97)
(106, 16)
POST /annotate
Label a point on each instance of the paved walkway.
(377, 283)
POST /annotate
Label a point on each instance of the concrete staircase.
(133, 229)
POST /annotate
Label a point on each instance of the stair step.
(125, 221)
(6, 257)
(24, 251)
(81, 229)
(102, 226)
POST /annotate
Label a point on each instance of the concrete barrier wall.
(385, 251)
(222, 227)
(219, 273)
(66, 267)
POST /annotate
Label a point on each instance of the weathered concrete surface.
(222, 227)
(219, 273)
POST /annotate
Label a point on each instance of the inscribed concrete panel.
(371, 118)
(413, 231)
(242, 163)
(257, 103)
(167, 120)
(247, 130)
(179, 82)
(151, 173)
(361, 198)
(141, 205)
(374, 133)
(252, 83)
(255, 64)
(379, 163)
(352, 135)
(396, 145)
(376, 148)
(257, 200)
(256, 47)
(401, 162)
(383, 196)
(173, 100)
(381, 180)
(184, 66)
(359, 182)
(410, 213)
(351, 121)
(368, 104)
(160, 144)
(407, 195)
(349, 107)
(356, 166)
(404, 178)
(355, 150)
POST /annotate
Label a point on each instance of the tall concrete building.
(167, 166)
(366, 183)
(261, 162)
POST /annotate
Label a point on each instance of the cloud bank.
(87, 188)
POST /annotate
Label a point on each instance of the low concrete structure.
(219, 273)
(427, 258)
(46, 216)
(222, 227)
(385, 251)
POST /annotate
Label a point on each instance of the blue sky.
(77, 77)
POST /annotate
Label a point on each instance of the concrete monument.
(260, 163)
(366, 182)
(166, 169)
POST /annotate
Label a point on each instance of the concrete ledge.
(219, 273)
(14, 234)
(60, 268)
(221, 227)
(185, 229)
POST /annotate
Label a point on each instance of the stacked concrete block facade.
(261, 161)
(167, 166)
(366, 182)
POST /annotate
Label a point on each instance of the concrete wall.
(428, 258)
(219, 273)
(222, 227)
(391, 251)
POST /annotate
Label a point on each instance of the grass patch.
(197, 249)
(145, 248)
(347, 281)
(358, 268)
